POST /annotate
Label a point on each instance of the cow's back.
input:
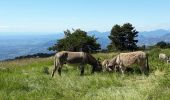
(75, 57)
(130, 58)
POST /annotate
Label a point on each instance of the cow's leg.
(59, 71)
(60, 67)
(116, 68)
(109, 69)
(55, 67)
(104, 68)
(144, 70)
(122, 68)
(81, 69)
(54, 70)
(141, 69)
(167, 61)
(93, 69)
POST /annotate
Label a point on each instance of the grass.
(28, 79)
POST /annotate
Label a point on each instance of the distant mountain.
(147, 40)
(152, 37)
(12, 46)
(144, 38)
(102, 37)
(166, 37)
(154, 34)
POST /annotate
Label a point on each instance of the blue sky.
(101, 15)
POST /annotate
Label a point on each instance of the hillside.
(30, 79)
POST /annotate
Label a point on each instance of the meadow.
(30, 79)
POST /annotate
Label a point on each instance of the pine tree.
(123, 37)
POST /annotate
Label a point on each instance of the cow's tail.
(147, 62)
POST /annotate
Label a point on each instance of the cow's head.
(98, 66)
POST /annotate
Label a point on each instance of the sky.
(102, 15)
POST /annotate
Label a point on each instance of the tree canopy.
(163, 44)
(123, 37)
(77, 40)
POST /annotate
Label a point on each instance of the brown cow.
(81, 58)
(125, 60)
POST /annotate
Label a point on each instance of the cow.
(105, 65)
(126, 60)
(164, 57)
(81, 58)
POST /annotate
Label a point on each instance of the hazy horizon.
(55, 33)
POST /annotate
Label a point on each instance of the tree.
(123, 37)
(78, 40)
(163, 44)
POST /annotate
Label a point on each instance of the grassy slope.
(28, 79)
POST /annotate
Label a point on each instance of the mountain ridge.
(13, 46)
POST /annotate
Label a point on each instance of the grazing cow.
(164, 57)
(110, 65)
(105, 65)
(126, 60)
(81, 58)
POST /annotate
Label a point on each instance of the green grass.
(28, 79)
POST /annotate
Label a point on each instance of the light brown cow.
(81, 58)
(164, 57)
(105, 65)
(125, 60)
